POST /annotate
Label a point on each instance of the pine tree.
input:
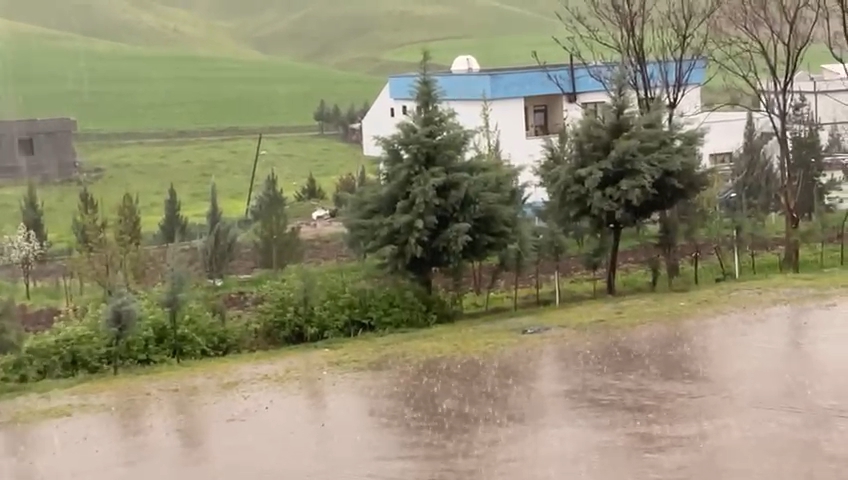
(320, 115)
(214, 214)
(835, 143)
(807, 159)
(173, 226)
(345, 188)
(310, 190)
(89, 229)
(218, 248)
(128, 224)
(364, 110)
(335, 117)
(435, 208)
(754, 176)
(276, 244)
(32, 214)
(623, 168)
(128, 236)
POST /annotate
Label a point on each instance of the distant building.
(531, 104)
(39, 148)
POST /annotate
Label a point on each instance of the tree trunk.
(697, 256)
(115, 356)
(821, 255)
(753, 261)
(669, 249)
(842, 241)
(613, 260)
(792, 246)
(556, 284)
(717, 251)
(515, 291)
(538, 286)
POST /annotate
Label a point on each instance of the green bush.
(307, 306)
(303, 306)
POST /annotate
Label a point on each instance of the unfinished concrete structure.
(41, 149)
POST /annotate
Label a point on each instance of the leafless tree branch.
(760, 44)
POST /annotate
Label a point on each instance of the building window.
(592, 109)
(540, 120)
(392, 112)
(403, 110)
(26, 147)
(721, 159)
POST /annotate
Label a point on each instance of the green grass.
(147, 169)
(166, 64)
(115, 87)
(482, 336)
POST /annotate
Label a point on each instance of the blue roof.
(501, 83)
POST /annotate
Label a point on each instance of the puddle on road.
(757, 396)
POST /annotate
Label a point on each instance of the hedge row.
(303, 306)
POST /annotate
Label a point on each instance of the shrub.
(307, 306)
(302, 306)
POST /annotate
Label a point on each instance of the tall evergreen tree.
(624, 167)
(345, 188)
(364, 110)
(128, 224)
(754, 175)
(435, 208)
(310, 190)
(806, 159)
(835, 144)
(335, 116)
(88, 227)
(214, 214)
(320, 115)
(276, 244)
(32, 214)
(173, 226)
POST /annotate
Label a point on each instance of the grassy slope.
(115, 87)
(157, 64)
(204, 63)
(146, 169)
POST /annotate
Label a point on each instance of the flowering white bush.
(22, 249)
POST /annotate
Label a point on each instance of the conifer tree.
(276, 244)
(807, 159)
(32, 214)
(127, 233)
(214, 214)
(345, 187)
(88, 227)
(435, 207)
(624, 167)
(173, 226)
(310, 190)
(320, 115)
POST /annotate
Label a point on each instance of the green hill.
(159, 64)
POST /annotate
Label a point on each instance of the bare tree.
(835, 17)
(659, 45)
(759, 45)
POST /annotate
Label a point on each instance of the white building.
(530, 104)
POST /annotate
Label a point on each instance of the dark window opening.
(26, 147)
(392, 112)
(404, 110)
(526, 122)
(540, 120)
(592, 109)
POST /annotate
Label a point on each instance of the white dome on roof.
(465, 64)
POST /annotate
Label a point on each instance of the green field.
(165, 64)
(146, 169)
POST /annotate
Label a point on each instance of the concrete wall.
(39, 148)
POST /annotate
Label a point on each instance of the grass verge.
(481, 336)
